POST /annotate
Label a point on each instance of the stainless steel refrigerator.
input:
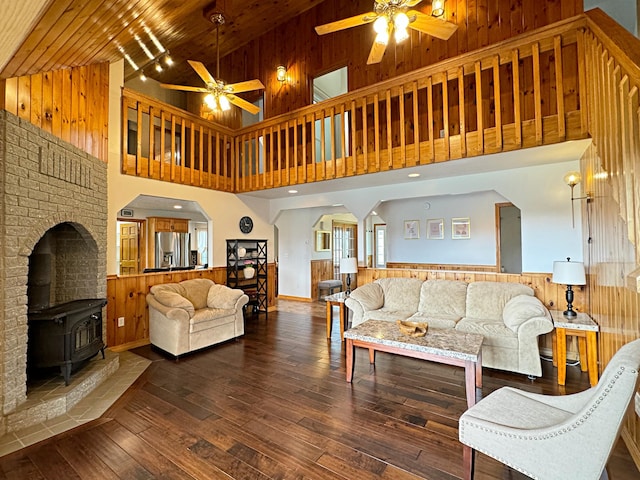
(172, 249)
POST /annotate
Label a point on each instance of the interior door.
(508, 223)
(379, 245)
(129, 248)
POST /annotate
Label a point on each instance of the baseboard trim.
(128, 346)
(297, 299)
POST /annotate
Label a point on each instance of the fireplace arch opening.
(65, 317)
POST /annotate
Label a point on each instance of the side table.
(337, 300)
(583, 327)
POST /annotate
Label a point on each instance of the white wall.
(625, 12)
(480, 249)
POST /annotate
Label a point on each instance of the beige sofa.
(507, 314)
(194, 314)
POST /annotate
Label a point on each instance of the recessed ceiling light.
(293, 191)
(177, 207)
(414, 175)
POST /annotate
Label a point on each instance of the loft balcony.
(525, 92)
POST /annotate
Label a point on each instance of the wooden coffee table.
(439, 345)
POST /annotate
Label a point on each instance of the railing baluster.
(192, 156)
(389, 132)
(139, 142)
(462, 113)
(583, 55)
(497, 101)
(445, 115)
(209, 156)
(332, 146)
(354, 146)
(343, 142)
(201, 152)
(376, 129)
(432, 140)
(517, 115)
(279, 143)
(219, 171)
(152, 145)
(416, 123)
(479, 110)
(557, 52)
(287, 171)
(172, 166)
(295, 150)
(365, 146)
(401, 119)
(271, 181)
(304, 148)
(323, 157)
(537, 93)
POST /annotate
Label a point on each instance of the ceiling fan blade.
(376, 53)
(202, 71)
(412, 3)
(361, 19)
(239, 102)
(435, 27)
(244, 86)
(186, 88)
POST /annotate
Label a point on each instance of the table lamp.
(569, 273)
(349, 266)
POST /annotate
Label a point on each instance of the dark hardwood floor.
(275, 405)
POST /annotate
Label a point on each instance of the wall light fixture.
(281, 73)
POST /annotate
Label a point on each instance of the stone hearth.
(45, 183)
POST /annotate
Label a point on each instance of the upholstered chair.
(554, 437)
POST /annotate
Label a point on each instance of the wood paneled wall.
(306, 55)
(450, 267)
(320, 270)
(611, 175)
(126, 296)
(71, 104)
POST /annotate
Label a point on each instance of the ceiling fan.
(220, 95)
(395, 16)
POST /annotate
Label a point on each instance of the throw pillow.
(520, 309)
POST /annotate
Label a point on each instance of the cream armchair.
(554, 437)
(194, 314)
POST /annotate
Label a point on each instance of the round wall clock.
(246, 224)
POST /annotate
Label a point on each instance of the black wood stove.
(65, 335)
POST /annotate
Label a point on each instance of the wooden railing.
(612, 58)
(520, 93)
(166, 143)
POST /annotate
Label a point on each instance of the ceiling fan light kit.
(395, 16)
(219, 95)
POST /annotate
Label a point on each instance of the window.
(328, 86)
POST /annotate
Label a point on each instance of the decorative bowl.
(242, 252)
(413, 329)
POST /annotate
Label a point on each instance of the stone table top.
(339, 297)
(581, 322)
(443, 342)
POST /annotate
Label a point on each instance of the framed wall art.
(411, 229)
(435, 228)
(460, 228)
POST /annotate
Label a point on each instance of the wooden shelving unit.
(243, 252)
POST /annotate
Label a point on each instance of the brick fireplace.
(46, 185)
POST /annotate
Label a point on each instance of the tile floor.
(89, 408)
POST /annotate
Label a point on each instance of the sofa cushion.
(196, 291)
(209, 318)
(520, 309)
(486, 300)
(495, 333)
(436, 321)
(221, 296)
(401, 294)
(166, 295)
(443, 298)
(370, 296)
(387, 314)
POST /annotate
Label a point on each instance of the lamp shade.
(569, 273)
(349, 265)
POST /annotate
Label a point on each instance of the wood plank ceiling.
(81, 32)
